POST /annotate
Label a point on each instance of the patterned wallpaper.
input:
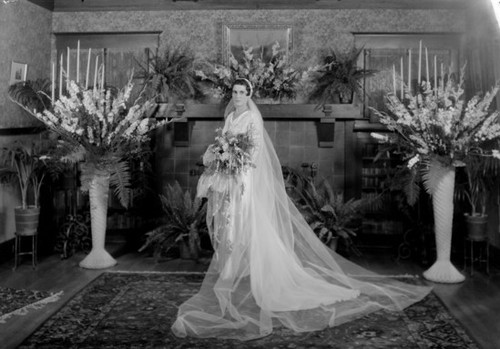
(24, 38)
(314, 30)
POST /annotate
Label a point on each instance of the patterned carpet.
(19, 302)
(135, 310)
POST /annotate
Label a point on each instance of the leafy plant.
(74, 235)
(326, 212)
(27, 164)
(184, 223)
(169, 76)
(338, 77)
(479, 175)
(32, 94)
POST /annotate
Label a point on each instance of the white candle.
(409, 71)
(419, 63)
(67, 71)
(102, 81)
(402, 80)
(53, 87)
(435, 74)
(78, 62)
(61, 75)
(394, 79)
(87, 76)
(442, 76)
(96, 70)
(426, 65)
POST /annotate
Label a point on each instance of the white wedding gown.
(269, 268)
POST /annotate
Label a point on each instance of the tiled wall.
(295, 142)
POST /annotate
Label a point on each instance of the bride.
(269, 268)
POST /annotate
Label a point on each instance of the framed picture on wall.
(18, 72)
(238, 37)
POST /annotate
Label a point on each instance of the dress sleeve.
(255, 130)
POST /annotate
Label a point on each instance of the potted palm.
(184, 224)
(339, 79)
(24, 164)
(479, 172)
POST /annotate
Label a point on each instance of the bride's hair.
(244, 82)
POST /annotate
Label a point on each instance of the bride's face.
(240, 96)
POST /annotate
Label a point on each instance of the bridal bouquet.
(439, 124)
(230, 154)
(225, 160)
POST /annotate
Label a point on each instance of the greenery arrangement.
(275, 79)
(169, 76)
(184, 223)
(338, 78)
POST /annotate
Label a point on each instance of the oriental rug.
(136, 310)
(20, 301)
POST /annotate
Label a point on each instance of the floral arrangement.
(438, 124)
(230, 154)
(102, 129)
(274, 79)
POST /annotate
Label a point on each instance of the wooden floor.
(475, 303)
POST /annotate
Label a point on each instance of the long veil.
(269, 268)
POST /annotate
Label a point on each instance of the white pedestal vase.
(442, 202)
(98, 258)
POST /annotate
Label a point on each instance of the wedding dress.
(269, 268)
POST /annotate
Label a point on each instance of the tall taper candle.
(87, 76)
(442, 76)
(402, 80)
(102, 81)
(394, 79)
(96, 71)
(53, 86)
(78, 62)
(67, 71)
(409, 70)
(61, 75)
(426, 66)
(435, 75)
(419, 63)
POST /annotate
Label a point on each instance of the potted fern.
(328, 214)
(184, 224)
(339, 79)
(169, 78)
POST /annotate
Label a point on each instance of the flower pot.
(476, 227)
(27, 220)
(442, 204)
(98, 258)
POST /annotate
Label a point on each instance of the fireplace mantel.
(325, 118)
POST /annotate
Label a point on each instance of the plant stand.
(442, 202)
(98, 258)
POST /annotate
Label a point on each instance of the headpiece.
(249, 85)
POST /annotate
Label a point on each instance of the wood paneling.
(158, 5)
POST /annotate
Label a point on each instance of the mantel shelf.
(277, 111)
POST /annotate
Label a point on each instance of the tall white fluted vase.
(442, 202)
(98, 258)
